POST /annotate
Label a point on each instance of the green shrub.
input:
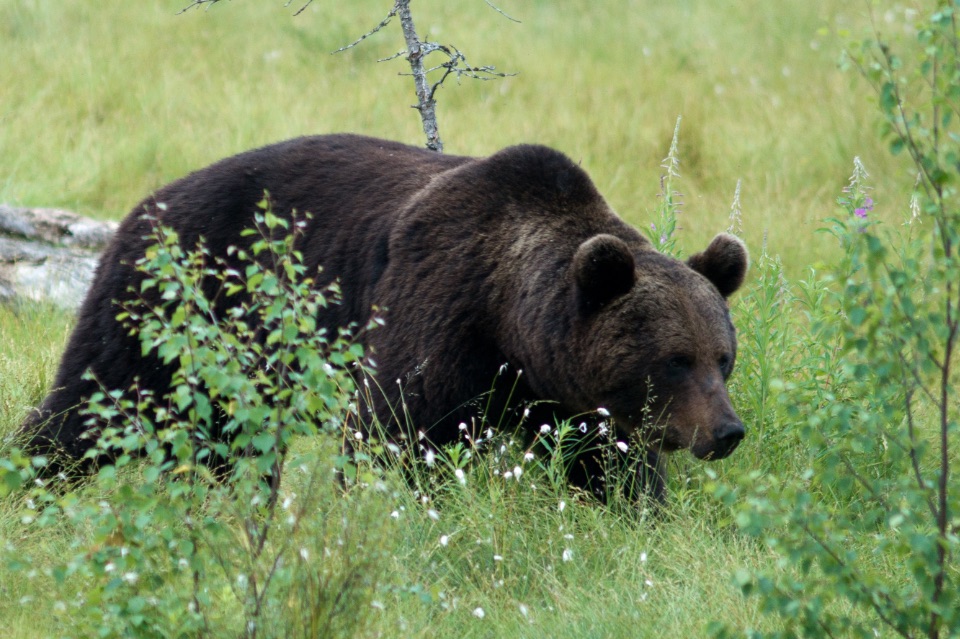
(867, 534)
(189, 529)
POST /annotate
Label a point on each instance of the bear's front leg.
(590, 472)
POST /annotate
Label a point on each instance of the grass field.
(103, 102)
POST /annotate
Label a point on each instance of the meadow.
(102, 103)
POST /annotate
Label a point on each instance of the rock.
(49, 254)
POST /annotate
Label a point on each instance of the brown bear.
(473, 263)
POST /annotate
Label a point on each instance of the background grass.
(103, 103)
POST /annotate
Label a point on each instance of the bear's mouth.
(723, 441)
(719, 444)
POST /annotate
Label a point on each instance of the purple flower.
(861, 213)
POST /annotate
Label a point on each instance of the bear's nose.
(728, 437)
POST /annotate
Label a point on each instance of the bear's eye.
(726, 363)
(679, 363)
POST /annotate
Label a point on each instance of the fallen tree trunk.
(49, 254)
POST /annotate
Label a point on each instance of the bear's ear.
(604, 269)
(724, 263)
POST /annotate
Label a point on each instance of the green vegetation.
(844, 374)
(102, 104)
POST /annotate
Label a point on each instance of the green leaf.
(264, 442)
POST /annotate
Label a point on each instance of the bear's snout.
(728, 436)
(724, 440)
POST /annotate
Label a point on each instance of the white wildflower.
(561, 505)
(603, 412)
(430, 457)
(517, 471)
(395, 515)
(304, 554)
(479, 613)
(433, 514)
(622, 446)
(444, 540)
(460, 476)
(545, 429)
(528, 457)
(567, 554)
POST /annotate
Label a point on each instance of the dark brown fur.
(513, 259)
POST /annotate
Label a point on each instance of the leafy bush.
(200, 536)
(867, 533)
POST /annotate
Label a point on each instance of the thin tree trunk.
(415, 53)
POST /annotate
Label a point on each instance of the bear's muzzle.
(726, 437)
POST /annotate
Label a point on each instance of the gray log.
(49, 254)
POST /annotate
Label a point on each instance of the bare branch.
(301, 9)
(383, 23)
(500, 11)
(197, 3)
(457, 65)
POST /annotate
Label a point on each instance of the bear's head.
(656, 341)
